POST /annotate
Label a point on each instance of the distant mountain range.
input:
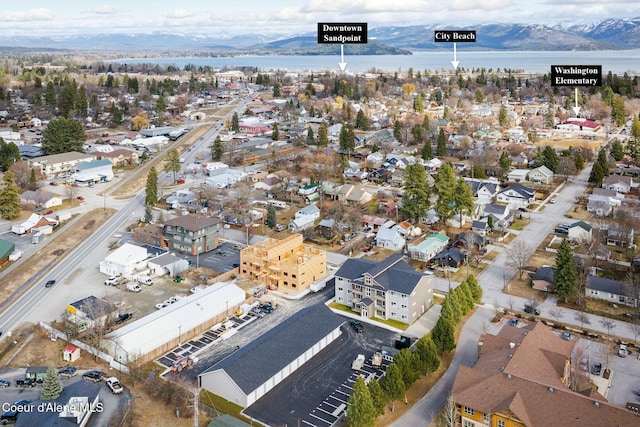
(606, 35)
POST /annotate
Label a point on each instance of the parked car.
(596, 369)
(49, 283)
(68, 371)
(4, 383)
(123, 318)
(552, 201)
(93, 375)
(623, 351)
(531, 310)
(357, 326)
(257, 312)
(9, 417)
(25, 382)
(53, 183)
(267, 308)
(49, 212)
(565, 336)
(81, 198)
(236, 265)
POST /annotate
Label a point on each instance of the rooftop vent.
(596, 404)
(509, 376)
(550, 390)
(512, 345)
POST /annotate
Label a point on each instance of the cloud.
(28, 15)
(181, 14)
(106, 9)
(484, 5)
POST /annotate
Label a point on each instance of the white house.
(308, 211)
(127, 259)
(304, 218)
(390, 238)
(580, 232)
(517, 196)
(619, 183)
(518, 175)
(41, 199)
(425, 249)
(541, 175)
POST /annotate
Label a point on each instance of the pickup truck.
(114, 385)
(358, 363)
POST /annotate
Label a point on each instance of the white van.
(145, 280)
(133, 287)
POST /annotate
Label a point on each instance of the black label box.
(468, 36)
(342, 33)
(576, 75)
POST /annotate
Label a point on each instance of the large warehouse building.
(157, 333)
(277, 353)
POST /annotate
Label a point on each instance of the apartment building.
(287, 264)
(194, 234)
(390, 289)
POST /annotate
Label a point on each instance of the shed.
(71, 353)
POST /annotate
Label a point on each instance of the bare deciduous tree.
(556, 314)
(635, 330)
(582, 318)
(608, 324)
(518, 255)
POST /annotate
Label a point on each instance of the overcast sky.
(220, 17)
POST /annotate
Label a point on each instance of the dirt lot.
(593, 145)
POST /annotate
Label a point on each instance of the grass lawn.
(222, 405)
(520, 224)
(393, 323)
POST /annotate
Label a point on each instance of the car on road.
(4, 383)
(531, 310)
(357, 326)
(81, 198)
(552, 201)
(68, 371)
(49, 283)
(596, 369)
(53, 183)
(93, 375)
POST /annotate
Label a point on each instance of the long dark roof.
(252, 365)
(606, 285)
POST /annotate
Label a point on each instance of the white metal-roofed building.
(158, 332)
(286, 347)
(124, 260)
(95, 171)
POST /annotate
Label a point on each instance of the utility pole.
(196, 399)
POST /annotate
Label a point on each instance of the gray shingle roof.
(544, 273)
(393, 273)
(255, 363)
(354, 268)
(603, 284)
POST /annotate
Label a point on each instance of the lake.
(616, 61)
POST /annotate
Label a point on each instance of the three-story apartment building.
(390, 289)
(194, 234)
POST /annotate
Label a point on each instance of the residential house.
(287, 264)
(388, 208)
(480, 227)
(390, 289)
(304, 218)
(541, 175)
(40, 199)
(542, 279)
(518, 175)
(88, 313)
(268, 184)
(423, 249)
(380, 175)
(167, 263)
(618, 183)
(326, 228)
(522, 378)
(452, 258)
(580, 232)
(127, 259)
(194, 234)
(34, 222)
(517, 196)
(373, 222)
(355, 173)
(613, 291)
(308, 189)
(390, 238)
(484, 190)
(501, 215)
(121, 157)
(354, 195)
(620, 237)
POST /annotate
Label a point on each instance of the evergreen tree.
(415, 200)
(407, 364)
(360, 409)
(323, 135)
(550, 158)
(445, 185)
(603, 160)
(443, 335)
(450, 311)
(172, 162)
(377, 397)
(465, 292)
(362, 122)
(418, 136)
(397, 129)
(310, 137)
(51, 385)
(81, 102)
(441, 144)
(33, 180)
(617, 152)
(151, 196)
(502, 116)
(565, 274)
(427, 151)
(148, 214)
(9, 197)
(418, 104)
(505, 163)
(463, 199)
(63, 135)
(578, 160)
(277, 90)
(272, 218)
(216, 152)
(235, 123)
(275, 134)
(50, 98)
(618, 113)
(392, 384)
(431, 354)
(161, 108)
(425, 123)
(549, 120)
(9, 154)
(476, 289)
(597, 174)
(347, 138)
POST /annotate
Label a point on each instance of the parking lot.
(224, 258)
(316, 390)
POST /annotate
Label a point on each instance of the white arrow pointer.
(342, 64)
(576, 109)
(454, 62)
